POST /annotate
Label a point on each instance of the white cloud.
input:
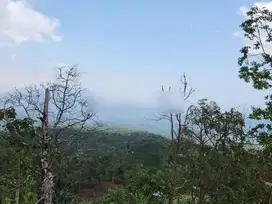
(20, 23)
(243, 12)
(171, 102)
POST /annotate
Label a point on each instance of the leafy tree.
(256, 63)
(255, 67)
(17, 173)
(216, 162)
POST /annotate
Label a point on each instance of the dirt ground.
(91, 192)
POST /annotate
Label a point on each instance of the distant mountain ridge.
(134, 118)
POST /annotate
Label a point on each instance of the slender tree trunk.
(47, 176)
(201, 195)
(172, 127)
(270, 198)
(17, 191)
(170, 200)
(17, 196)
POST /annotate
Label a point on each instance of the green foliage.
(17, 173)
(212, 164)
(116, 196)
(256, 64)
(122, 196)
(151, 184)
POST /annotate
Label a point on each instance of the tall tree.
(175, 117)
(256, 68)
(217, 136)
(256, 65)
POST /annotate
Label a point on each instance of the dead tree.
(47, 176)
(68, 105)
(176, 125)
(175, 118)
(70, 108)
(59, 105)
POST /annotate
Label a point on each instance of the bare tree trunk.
(170, 200)
(17, 196)
(201, 195)
(270, 198)
(172, 128)
(47, 176)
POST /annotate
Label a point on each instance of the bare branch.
(186, 92)
(160, 116)
(29, 99)
(68, 101)
(39, 200)
(68, 105)
(175, 119)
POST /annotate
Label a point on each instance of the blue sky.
(128, 49)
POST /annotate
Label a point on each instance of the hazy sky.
(128, 49)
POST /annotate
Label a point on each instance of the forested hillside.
(58, 153)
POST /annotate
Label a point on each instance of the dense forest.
(53, 151)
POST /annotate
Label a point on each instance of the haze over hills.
(139, 117)
(132, 117)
